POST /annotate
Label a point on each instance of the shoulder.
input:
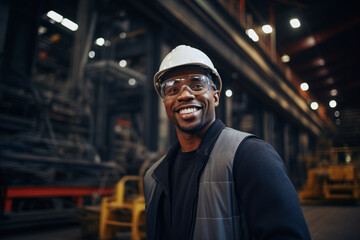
(238, 133)
(232, 136)
(255, 153)
(254, 145)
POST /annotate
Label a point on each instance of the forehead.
(183, 72)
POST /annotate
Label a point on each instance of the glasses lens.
(195, 83)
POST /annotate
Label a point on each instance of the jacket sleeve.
(266, 195)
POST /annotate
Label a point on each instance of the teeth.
(187, 110)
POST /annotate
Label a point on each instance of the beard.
(191, 129)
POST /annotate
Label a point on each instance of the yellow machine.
(120, 210)
(126, 208)
(331, 180)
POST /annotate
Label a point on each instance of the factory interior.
(81, 122)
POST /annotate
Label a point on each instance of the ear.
(216, 97)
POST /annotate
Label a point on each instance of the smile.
(188, 110)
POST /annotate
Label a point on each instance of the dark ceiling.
(324, 52)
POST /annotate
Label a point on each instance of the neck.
(191, 141)
(188, 141)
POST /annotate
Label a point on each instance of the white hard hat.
(185, 55)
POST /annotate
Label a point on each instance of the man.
(215, 182)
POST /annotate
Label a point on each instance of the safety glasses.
(196, 84)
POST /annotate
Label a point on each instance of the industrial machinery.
(125, 209)
(122, 210)
(333, 175)
(68, 133)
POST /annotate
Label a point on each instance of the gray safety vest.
(218, 213)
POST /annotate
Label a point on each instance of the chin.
(191, 129)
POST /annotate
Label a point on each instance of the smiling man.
(215, 182)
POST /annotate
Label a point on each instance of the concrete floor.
(325, 222)
(333, 222)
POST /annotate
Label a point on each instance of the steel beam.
(225, 39)
(318, 37)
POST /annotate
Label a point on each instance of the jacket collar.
(161, 173)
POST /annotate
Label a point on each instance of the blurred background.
(80, 121)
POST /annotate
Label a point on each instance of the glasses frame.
(187, 78)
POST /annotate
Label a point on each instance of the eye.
(171, 90)
(197, 86)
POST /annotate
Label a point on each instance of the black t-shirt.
(184, 173)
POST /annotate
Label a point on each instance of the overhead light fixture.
(107, 43)
(228, 93)
(338, 121)
(267, 29)
(100, 41)
(285, 58)
(314, 105)
(336, 113)
(334, 92)
(55, 16)
(321, 62)
(132, 81)
(304, 86)
(91, 54)
(330, 80)
(332, 103)
(252, 34)
(122, 63)
(295, 23)
(42, 30)
(122, 35)
(348, 158)
(69, 24)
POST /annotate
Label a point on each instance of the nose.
(185, 93)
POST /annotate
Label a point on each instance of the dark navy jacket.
(265, 194)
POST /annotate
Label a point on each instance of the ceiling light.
(330, 80)
(267, 29)
(69, 24)
(304, 86)
(252, 34)
(334, 92)
(55, 16)
(100, 41)
(309, 42)
(91, 54)
(122, 35)
(228, 93)
(285, 58)
(314, 105)
(323, 72)
(107, 43)
(321, 62)
(122, 63)
(348, 158)
(295, 23)
(132, 81)
(42, 30)
(338, 121)
(332, 103)
(336, 113)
